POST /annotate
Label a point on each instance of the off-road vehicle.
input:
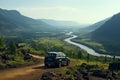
(56, 59)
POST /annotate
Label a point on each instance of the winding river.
(89, 50)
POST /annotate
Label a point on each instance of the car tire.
(46, 65)
(59, 64)
(68, 62)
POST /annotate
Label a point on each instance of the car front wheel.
(59, 64)
(68, 62)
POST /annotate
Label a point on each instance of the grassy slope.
(75, 71)
(55, 44)
(92, 44)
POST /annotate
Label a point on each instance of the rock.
(99, 73)
(114, 66)
(49, 76)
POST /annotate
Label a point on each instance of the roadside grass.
(76, 62)
(118, 73)
(99, 63)
(72, 72)
(15, 60)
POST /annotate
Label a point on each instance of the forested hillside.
(108, 34)
(13, 24)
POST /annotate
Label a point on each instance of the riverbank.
(87, 48)
(96, 48)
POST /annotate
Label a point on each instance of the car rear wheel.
(46, 65)
(68, 62)
(59, 64)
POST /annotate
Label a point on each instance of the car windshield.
(51, 55)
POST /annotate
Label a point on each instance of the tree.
(79, 55)
(12, 47)
(105, 60)
(34, 45)
(97, 58)
(2, 42)
(88, 57)
(113, 58)
(71, 54)
(61, 49)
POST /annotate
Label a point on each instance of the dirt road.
(31, 72)
(23, 73)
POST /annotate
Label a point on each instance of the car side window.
(63, 55)
(58, 55)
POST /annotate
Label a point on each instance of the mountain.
(109, 31)
(85, 31)
(12, 22)
(108, 34)
(62, 24)
(96, 25)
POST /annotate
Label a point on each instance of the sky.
(82, 11)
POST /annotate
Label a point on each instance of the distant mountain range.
(96, 25)
(88, 29)
(12, 22)
(62, 24)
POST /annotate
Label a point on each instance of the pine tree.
(12, 47)
(88, 57)
(61, 49)
(105, 60)
(113, 58)
(79, 55)
(2, 42)
(96, 58)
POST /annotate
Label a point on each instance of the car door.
(64, 59)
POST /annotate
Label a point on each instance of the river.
(88, 49)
